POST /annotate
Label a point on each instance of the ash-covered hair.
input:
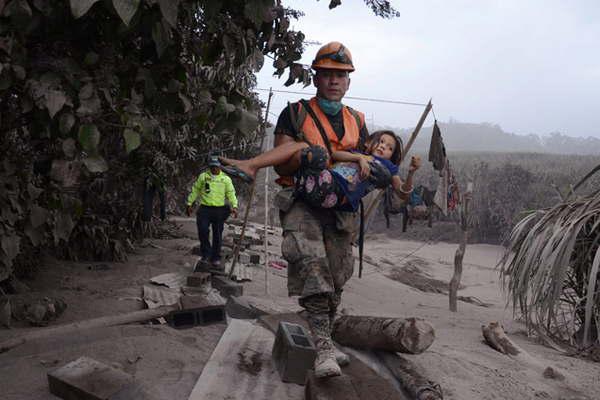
(374, 139)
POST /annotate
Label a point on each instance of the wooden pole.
(266, 227)
(460, 252)
(237, 245)
(111, 320)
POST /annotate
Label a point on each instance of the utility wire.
(409, 103)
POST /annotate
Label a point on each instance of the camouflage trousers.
(317, 244)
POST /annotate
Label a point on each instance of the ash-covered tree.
(96, 95)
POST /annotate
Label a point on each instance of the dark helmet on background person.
(333, 55)
(213, 161)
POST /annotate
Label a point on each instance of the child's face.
(385, 147)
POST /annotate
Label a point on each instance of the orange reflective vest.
(311, 133)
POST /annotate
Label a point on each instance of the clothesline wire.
(409, 103)
(243, 146)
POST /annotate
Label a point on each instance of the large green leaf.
(66, 122)
(55, 100)
(36, 235)
(89, 137)
(38, 216)
(187, 105)
(247, 122)
(161, 38)
(96, 164)
(10, 246)
(80, 7)
(69, 148)
(223, 107)
(169, 11)
(132, 140)
(18, 9)
(63, 227)
(255, 10)
(126, 9)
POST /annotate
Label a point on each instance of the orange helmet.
(333, 55)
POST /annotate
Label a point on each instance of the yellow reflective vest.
(212, 190)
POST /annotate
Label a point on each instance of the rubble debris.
(43, 311)
(496, 338)
(87, 379)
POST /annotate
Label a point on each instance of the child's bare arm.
(405, 188)
(362, 160)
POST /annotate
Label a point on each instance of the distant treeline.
(508, 185)
(459, 136)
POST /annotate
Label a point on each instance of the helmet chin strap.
(329, 107)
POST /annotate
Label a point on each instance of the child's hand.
(415, 164)
(365, 169)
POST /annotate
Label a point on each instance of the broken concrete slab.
(240, 368)
(87, 379)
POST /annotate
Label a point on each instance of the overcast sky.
(530, 66)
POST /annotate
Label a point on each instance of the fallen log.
(410, 379)
(410, 335)
(135, 316)
(497, 339)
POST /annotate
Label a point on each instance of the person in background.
(211, 189)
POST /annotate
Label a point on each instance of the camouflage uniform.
(317, 244)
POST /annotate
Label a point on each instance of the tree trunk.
(411, 380)
(459, 255)
(410, 335)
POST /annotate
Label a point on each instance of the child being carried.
(352, 175)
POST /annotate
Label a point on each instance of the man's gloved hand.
(234, 212)
(188, 211)
(380, 176)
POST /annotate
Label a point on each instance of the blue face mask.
(329, 107)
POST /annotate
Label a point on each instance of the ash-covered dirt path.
(168, 362)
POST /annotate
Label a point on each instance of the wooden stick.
(111, 320)
(460, 254)
(237, 245)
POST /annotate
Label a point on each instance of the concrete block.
(226, 287)
(336, 388)
(293, 352)
(196, 310)
(87, 379)
(198, 279)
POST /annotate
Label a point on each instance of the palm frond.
(549, 271)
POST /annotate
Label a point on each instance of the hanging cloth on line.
(437, 150)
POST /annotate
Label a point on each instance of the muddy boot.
(325, 364)
(342, 358)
